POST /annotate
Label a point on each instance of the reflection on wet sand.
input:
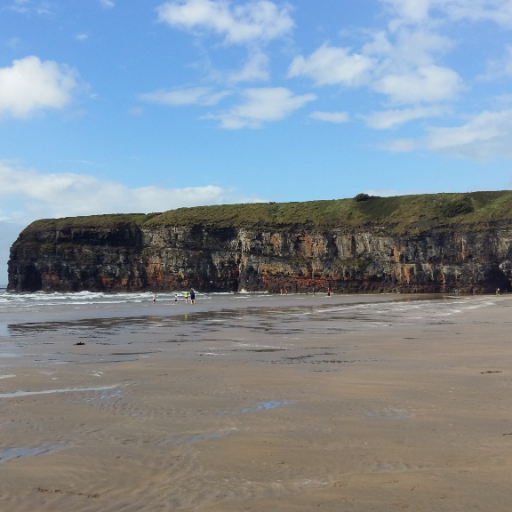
(17, 394)
(22, 453)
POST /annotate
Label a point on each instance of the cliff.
(417, 243)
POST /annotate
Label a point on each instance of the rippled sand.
(292, 403)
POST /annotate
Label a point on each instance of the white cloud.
(394, 118)
(384, 192)
(81, 37)
(20, 6)
(421, 11)
(410, 10)
(26, 194)
(507, 61)
(426, 84)
(406, 70)
(402, 61)
(14, 43)
(330, 117)
(403, 69)
(262, 105)
(30, 85)
(177, 97)
(255, 69)
(499, 11)
(501, 102)
(392, 192)
(136, 111)
(499, 68)
(400, 146)
(409, 48)
(107, 4)
(331, 65)
(255, 21)
(28, 7)
(485, 136)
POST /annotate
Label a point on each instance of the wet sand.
(360, 403)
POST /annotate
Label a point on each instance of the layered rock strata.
(130, 256)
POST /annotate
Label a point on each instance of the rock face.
(126, 256)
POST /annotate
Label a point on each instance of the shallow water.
(17, 394)
(43, 338)
(264, 406)
(46, 300)
(22, 453)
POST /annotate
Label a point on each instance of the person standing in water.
(328, 292)
(154, 298)
(192, 296)
(186, 297)
(175, 299)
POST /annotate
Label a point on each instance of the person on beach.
(154, 298)
(328, 292)
(192, 296)
(186, 297)
(175, 299)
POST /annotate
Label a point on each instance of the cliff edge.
(416, 243)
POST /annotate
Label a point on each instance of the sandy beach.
(269, 403)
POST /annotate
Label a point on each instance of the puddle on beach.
(264, 406)
(102, 361)
(390, 413)
(398, 467)
(22, 453)
(266, 350)
(195, 439)
(134, 353)
(17, 394)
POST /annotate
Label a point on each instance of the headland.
(406, 244)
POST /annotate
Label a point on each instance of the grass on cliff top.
(396, 214)
(92, 221)
(399, 213)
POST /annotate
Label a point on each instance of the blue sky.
(122, 105)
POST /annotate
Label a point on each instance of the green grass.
(92, 221)
(412, 213)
